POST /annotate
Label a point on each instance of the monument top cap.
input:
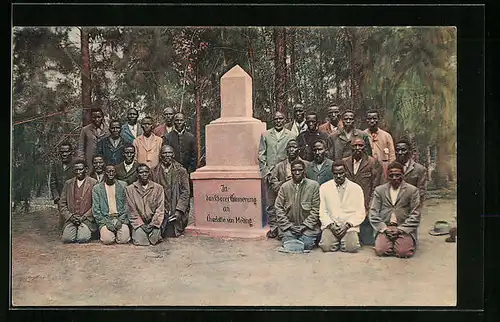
(236, 71)
(236, 93)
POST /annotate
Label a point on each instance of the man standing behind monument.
(183, 143)
(395, 215)
(320, 169)
(175, 182)
(131, 130)
(89, 136)
(306, 138)
(381, 142)
(366, 171)
(146, 208)
(147, 146)
(111, 146)
(341, 212)
(76, 205)
(272, 149)
(109, 207)
(413, 173)
(168, 126)
(339, 142)
(333, 122)
(297, 209)
(126, 171)
(298, 124)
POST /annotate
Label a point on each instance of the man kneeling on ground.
(109, 206)
(297, 208)
(341, 212)
(76, 205)
(395, 215)
(145, 202)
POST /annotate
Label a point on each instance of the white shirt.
(394, 196)
(145, 187)
(407, 164)
(99, 176)
(111, 195)
(356, 165)
(334, 128)
(318, 166)
(79, 182)
(279, 134)
(133, 129)
(128, 166)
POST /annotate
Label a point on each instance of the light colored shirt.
(394, 196)
(115, 142)
(128, 166)
(356, 165)
(65, 166)
(348, 135)
(279, 134)
(145, 187)
(406, 165)
(341, 190)
(79, 182)
(318, 166)
(133, 129)
(181, 132)
(334, 128)
(111, 195)
(99, 176)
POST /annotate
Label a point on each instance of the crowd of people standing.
(330, 185)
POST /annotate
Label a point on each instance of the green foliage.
(408, 73)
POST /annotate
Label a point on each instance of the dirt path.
(203, 271)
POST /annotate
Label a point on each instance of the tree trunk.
(197, 98)
(293, 79)
(86, 81)
(280, 68)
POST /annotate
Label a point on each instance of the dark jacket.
(67, 203)
(369, 175)
(184, 146)
(322, 175)
(100, 204)
(129, 177)
(340, 146)
(305, 141)
(58, 177)
(110, 154)
(416, 175)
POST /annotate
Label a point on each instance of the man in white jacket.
(341, 212)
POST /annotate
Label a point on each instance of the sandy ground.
(195, 271)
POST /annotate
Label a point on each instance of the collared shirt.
(145, 187)
(406, 165)
(149, 141)
(320, 165)
(181, 132)
(355, 165)
(115, 142)
(133, 129)
(394, 196)
(334, 128)
(79, 182)
(166, 169)
(111, 195)
(168, 129)
(279, 134)
(300, 127)
(341, 189)
(348, 135)
(99, 130)
(99, 176)
(65, 166)
(128, 166)
(374, 135)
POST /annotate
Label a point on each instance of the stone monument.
(228, 191)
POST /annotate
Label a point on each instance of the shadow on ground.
(203, 271)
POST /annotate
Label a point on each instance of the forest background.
(407, 73)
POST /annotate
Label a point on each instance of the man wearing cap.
(272, 150)
(297, 209)
(109, 206)
(341, 212)
(395, 215)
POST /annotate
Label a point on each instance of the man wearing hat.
(297, 210)
(395, 215)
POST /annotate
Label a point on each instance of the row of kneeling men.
(152, 207)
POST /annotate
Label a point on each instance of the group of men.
(338, 187)
(125, 181)
(330, 185)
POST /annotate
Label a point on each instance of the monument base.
(220, 232)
